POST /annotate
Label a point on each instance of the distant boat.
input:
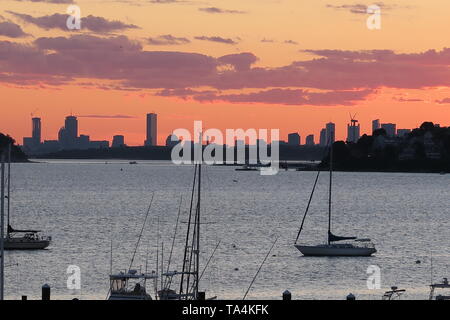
(247, 168)
(21, 239)
(133, 162)
(358, 247)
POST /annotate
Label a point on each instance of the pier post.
(287, 295)
(351, 296)
(24, 298)
(45, 292)
(201, 296)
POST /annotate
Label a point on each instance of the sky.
(276, 64)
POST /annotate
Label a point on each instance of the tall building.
(375, 125)
(353, 131)
(36, 131)
(391, 129)
(323, 137)
(310, 140)
(331, 132)
(152, 130)
(34, 142)
(118, 141)
(71, 126)
(293, 139)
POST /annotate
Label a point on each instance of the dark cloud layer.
(331, 77)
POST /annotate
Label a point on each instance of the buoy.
(351, 296)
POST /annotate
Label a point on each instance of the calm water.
(85, 204)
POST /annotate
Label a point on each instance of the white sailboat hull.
(336, 251)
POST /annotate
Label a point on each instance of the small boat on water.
(130, 285)
(25, 240)
(20, 239)
(334, 247)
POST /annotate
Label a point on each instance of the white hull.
(25, 244)
(335, 251)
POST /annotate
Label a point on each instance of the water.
(84, 205)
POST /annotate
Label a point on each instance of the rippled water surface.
(84, 205)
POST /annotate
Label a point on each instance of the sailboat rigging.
(359, 247)
(20, 239)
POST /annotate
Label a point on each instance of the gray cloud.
(167, 40)
(216, 39)
(219, 10)
(59, 21)
(11, 30)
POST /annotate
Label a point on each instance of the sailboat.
(190, 275)
(334, 246)
(21, 239)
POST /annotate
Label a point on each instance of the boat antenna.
(209, 260)
(111, 258)
(431, 262)
(142, 230)
(259, 269)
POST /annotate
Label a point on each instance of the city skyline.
(70, 138)
(228, 76)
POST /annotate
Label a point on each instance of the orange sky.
(410, 26)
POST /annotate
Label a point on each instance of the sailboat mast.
(9, 190)
(198, 229)
(330, 187)
(2, 224)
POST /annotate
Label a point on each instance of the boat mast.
(197, 251)
(9, 190)
(330, 187)
(2, 224)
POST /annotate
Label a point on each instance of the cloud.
(11, 30)
(291, 42)
(167, 40)
(290, 97)
(443, 101)
(59, 21)
(360, 8)
(219, 10)
(329, 77)
(50, 1)
(216, 39)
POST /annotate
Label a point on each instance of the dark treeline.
(305, 153)
(425, 149)
(17, 154)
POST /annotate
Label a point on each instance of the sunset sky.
(287, 64)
